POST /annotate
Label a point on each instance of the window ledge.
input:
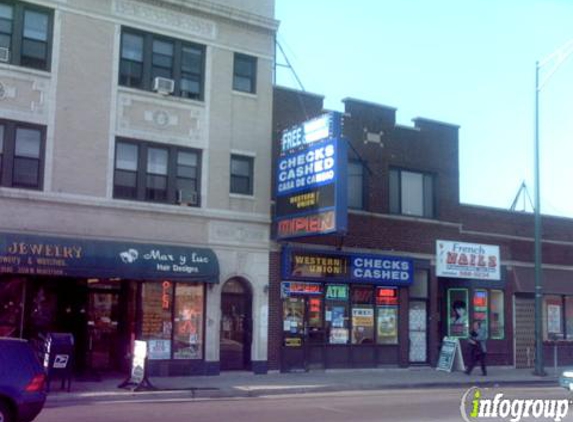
(29, 70)
(245, 94)
(241, 196)
(156, 96)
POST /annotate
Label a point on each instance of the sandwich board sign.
(451, 356)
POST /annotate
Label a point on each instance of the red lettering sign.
(310, 224)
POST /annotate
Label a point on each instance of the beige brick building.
(137, 133)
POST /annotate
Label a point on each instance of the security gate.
(524, 333)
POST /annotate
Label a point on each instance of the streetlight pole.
(555, 59)
(537, 235)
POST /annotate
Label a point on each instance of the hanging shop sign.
(311, 179)
(348, 268)
(55, 256)
(467, 260)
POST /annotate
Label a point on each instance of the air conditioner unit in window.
(185, 197)
(163, 85)
(4, 54)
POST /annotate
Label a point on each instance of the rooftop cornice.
(223, 11)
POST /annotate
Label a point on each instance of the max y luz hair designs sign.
(467, 260)
(39, 255)
(311, 179)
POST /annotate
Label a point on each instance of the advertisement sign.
(55, 256)
(159, 349)
(290, 288)
(138, 361)
(348, 268)
(467, 260)
(450, 353)
(553, 319)
(311, 179)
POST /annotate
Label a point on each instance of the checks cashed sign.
(467, 260)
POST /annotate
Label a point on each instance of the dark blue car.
(22, 381)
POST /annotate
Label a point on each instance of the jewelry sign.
(467, 260)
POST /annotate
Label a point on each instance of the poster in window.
(158, 349)
(362, 325)
(553, 319)
(338, 336)
(387, 324)
(188, 336)
(337, 314)
(458, 324)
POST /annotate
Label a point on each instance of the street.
(357, 406)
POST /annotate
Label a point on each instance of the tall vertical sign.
(311, 179)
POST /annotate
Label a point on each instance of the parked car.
(22, 381)
(566, 379)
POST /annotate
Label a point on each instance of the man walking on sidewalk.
(478, 349)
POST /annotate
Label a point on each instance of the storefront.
(472, 288)
(557, 316)
(108, 294)
(343, 310)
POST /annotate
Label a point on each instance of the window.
(355, 185)
(419, 289)
(21, 155)
(480, 308)
(146, 56)
(172, 319)
(242, 174)
(156, 173)
(552, 317)
(458, 324)
(336, 313)
(25, 35)
(245, 73)
(411, 193)
(497, 325)
(188, 336)
(387, 315)
(13, 294)
(569, 317)
(362, 315)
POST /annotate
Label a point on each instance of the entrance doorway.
(103, 336)
(236, 326)
(418, 332)
(303, 333)
(524, 311)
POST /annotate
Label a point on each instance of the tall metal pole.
(537, 233)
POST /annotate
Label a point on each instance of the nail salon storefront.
(108, 294)
(343, 310)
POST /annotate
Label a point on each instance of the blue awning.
(68, 257)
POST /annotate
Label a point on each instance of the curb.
(231, 392)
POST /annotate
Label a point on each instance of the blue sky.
(465, 62)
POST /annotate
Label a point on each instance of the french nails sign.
(311, 179)
(467, 260)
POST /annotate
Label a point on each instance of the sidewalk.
(246, 384)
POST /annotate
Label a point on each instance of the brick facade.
(428, 147)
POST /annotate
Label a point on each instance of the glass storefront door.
(103, 314)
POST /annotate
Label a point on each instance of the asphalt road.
(441, 405)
